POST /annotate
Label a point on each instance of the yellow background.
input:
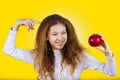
(88, 17)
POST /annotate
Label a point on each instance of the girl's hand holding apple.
(98, 41)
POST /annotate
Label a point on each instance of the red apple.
(95, 40)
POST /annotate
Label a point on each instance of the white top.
(90, 62)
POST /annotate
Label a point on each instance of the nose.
(60, 38)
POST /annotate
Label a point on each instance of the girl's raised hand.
(104, 47)
(29, 23)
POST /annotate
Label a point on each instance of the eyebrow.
(61, 31)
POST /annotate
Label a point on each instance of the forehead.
(57, 27)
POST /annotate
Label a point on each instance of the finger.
(30, 24)
(25, 24)
(97, 48)
(100, 48)
(36, 21)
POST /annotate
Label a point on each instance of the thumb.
(100, 48)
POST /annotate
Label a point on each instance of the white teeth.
(59, 43)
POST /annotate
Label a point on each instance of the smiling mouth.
(60, 43)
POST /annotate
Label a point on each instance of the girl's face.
(57, 36)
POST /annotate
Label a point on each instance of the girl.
(58, 54)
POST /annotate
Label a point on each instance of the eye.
(64, 32)
(54, 34)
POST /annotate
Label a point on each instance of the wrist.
(15, 28)
(109, 53)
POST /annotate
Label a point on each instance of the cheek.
(65, 36)
(51, 39)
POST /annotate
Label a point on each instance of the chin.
(58, 48)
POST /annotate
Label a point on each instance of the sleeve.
(108, 68)
(21, 54)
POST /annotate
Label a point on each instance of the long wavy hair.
(45, 58)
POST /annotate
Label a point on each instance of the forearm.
(11, 49)
(111, 66)
(108, 68)
(10, 42)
